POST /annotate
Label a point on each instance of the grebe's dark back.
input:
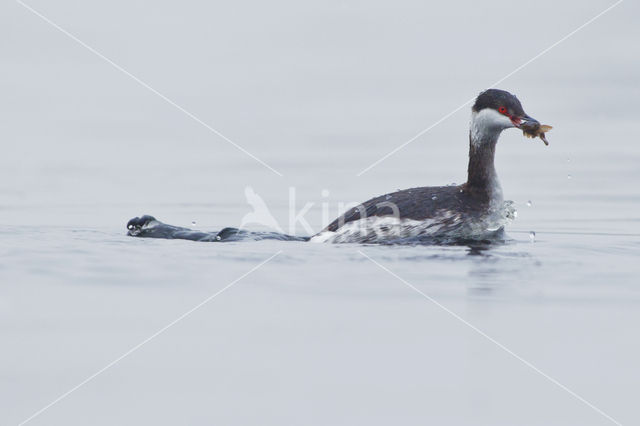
(441, 208)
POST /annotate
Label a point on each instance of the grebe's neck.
(482, 178)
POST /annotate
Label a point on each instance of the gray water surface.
(319, 335)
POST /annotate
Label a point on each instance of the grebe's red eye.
(502, 110)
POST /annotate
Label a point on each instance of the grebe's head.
(494, 111)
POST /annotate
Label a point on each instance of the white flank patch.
(445, 224)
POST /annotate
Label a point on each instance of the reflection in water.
(493, 268)
(479, 250)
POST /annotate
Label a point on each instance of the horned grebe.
(433, 214)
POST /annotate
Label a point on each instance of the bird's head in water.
(493, 111)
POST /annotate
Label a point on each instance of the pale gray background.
(320, 335)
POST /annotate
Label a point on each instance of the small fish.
(536, 130)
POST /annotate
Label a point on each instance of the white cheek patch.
(487, 125)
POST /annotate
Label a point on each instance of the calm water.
(320, 334)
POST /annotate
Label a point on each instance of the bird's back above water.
(439, 214)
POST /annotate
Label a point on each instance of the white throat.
(486, 125)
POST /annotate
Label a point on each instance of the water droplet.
(568, 160)
(433, 197)
(453, 184)
(193, 223)
(461, 191)
(529, 203)
(388, 197)
(532, 236)
(569, 176)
